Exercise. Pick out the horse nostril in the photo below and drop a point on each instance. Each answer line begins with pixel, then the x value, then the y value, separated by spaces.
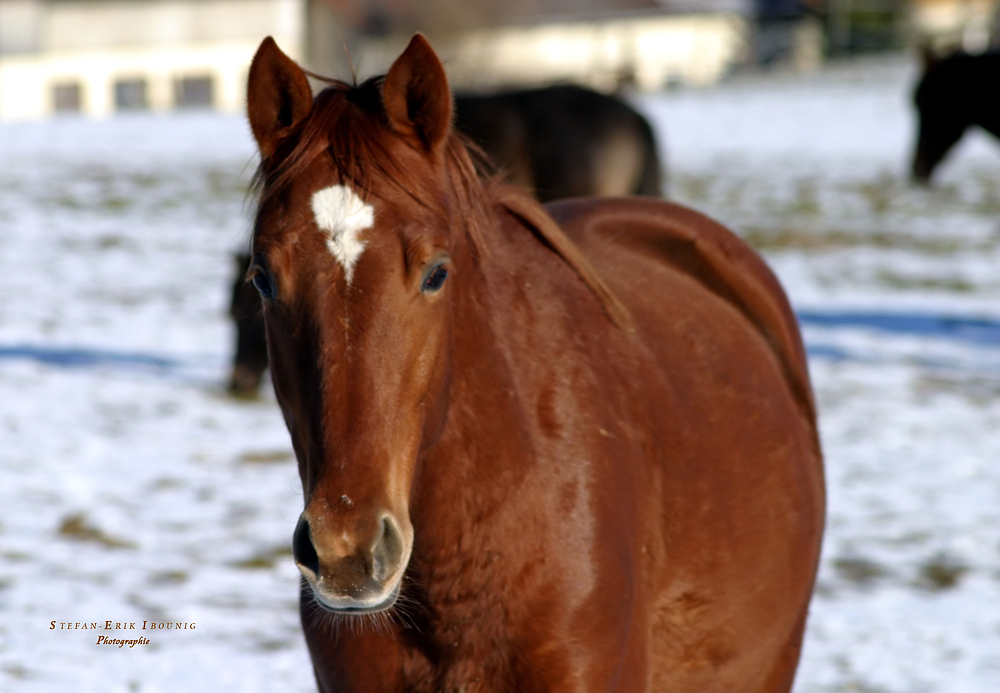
pixel 303 549
pixel 388 551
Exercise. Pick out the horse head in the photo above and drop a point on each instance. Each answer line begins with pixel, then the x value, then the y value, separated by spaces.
pixel 250 360
pixel 353 257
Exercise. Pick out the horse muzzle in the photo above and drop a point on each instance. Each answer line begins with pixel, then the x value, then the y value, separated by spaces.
pixel 349 576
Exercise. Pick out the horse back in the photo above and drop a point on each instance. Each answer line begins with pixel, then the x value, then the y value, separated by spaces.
pixel 701 249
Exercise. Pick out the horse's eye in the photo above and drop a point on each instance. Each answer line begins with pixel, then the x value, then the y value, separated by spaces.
pixel 435 279
pixel 262 282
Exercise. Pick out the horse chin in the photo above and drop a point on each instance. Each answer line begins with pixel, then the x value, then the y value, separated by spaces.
pixel 347 606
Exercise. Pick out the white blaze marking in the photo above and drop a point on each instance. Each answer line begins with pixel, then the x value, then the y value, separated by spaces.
pixel 343 215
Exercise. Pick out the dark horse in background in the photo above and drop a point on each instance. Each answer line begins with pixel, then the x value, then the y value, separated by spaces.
pixel 954 93
pixel 557 142
pixel 564 141
pixel 553 449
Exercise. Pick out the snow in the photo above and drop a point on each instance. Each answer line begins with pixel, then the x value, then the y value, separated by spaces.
pixel 133 489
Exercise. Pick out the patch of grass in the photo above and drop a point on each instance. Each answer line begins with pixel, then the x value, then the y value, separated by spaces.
pixel 146 180
pixel 976 389
pixel 64 201
pixel 76 527
pixel 151 612
pixel 908 539
pixel 694 188
pixel 272 645
pixel 899 281
pixel 166 483
pixel 806 199
pixel 859 686
pixel 264 559
pixel 989 188
pixel 862 572
pixel 16 671
pixel 15 556
pixel 733 197
pixel 116 203
pixel 222 183
pixel 941 572
pixel 169 577
pixel 110 241
pixel 879 193
pixel 786 238
pixel 265 456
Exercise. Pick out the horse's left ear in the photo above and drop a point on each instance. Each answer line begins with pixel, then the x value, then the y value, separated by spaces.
pixel 278 96
pixel 416 95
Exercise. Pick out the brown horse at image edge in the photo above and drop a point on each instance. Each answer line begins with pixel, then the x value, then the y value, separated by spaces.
pixel 569 448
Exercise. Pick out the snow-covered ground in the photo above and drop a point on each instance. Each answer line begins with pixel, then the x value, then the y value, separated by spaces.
pixel 133 489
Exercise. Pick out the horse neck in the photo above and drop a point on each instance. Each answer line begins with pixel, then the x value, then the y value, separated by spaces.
pixel 485 435
pixel 479 480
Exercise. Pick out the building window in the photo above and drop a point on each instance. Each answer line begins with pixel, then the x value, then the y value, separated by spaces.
pixel 193 92
pixel 66 97
pixel 130 94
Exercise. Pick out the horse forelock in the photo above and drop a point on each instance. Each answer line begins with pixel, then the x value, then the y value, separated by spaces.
pixel 348 126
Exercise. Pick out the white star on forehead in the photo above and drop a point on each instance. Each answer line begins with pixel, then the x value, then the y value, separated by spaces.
pixel 343 216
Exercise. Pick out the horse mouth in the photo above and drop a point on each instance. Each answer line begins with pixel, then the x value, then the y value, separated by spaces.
pixel 355 607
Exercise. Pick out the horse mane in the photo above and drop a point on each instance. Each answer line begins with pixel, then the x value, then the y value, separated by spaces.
pixel 348 122
pixel 533 215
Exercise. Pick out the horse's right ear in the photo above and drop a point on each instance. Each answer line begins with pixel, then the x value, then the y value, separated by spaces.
pixel 416 95
pixel 278 96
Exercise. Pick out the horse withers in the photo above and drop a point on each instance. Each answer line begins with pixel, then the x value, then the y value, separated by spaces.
pixel 556 142
pixel 562 449
pixel 954 93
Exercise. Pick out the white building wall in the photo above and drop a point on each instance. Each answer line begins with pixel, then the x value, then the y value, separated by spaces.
pixel 652 51
pixel 94 44
pixel 945 25
pixel 99 24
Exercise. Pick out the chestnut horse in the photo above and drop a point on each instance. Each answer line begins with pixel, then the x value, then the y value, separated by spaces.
pixel 562 449
pixel 557 142
pixel 954 93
